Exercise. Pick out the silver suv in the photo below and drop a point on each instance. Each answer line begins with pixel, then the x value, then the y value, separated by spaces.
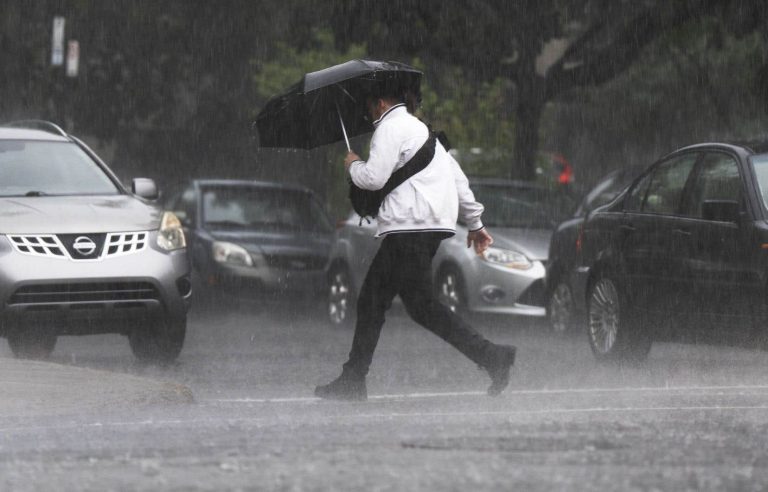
pixel 79 254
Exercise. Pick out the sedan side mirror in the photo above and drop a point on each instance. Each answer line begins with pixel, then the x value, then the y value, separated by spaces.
pixel 145 188
pixel 721 210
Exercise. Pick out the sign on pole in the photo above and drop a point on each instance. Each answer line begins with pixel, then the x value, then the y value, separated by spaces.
pixel 57 45
pixel 73 58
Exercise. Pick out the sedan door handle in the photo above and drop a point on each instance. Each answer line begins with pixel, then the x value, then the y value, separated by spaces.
pixel 627 228
pixel 682 232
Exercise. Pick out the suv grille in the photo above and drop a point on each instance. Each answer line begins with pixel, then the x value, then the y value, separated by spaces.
pixel 43 245
pixel 86 292
pixel 52 246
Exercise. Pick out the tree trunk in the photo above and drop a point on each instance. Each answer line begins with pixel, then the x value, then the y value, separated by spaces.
pixel 529 105
pixel 528 119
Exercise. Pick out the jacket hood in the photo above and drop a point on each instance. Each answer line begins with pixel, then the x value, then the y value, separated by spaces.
pixel 533 243
pixel 77 214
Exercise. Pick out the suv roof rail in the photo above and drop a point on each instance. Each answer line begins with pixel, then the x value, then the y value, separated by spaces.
pixel 43 125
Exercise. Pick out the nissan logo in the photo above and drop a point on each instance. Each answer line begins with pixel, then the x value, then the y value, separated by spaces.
pixel 84 245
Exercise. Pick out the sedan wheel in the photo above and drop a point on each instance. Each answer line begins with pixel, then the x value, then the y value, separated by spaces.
pixel 561 308
pixel 450 290
pixel 340 298
pixel 613 335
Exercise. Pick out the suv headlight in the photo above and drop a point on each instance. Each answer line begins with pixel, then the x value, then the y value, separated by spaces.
pixel 507 258
pixel 231 253
pixel 170 237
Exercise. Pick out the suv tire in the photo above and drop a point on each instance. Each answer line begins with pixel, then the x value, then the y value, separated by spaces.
pixel 31 342
pixel 158 341
pixel 614 335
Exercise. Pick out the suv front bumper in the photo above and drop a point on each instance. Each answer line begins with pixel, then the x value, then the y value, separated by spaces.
pixel 93 296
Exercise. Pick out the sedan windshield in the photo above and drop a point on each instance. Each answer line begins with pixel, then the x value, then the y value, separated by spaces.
pixel 760 163
pixel 37 168
pixel 261 208
pixel 528 208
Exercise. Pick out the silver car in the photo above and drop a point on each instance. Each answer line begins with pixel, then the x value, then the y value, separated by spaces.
pixel 79 254
pixel 507 279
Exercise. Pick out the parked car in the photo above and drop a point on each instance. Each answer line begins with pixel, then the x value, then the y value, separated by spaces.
pixel 565 251
pixel 682 254
pixel 79 254
pixel 507 279
pixel 250 239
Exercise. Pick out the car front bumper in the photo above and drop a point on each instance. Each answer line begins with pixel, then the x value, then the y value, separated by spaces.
pixel 497 289
pixel 93 296
pixel 249 282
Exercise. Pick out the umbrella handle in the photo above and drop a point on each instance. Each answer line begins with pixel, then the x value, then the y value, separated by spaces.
pixel 343 129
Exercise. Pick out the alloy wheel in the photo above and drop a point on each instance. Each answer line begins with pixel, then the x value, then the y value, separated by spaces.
pixel 449 290
pixel 604 312
pixel 561 308
pixel 339 298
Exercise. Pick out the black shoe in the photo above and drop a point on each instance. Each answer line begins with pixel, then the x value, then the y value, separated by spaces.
pixel 345 388
pixel 501 360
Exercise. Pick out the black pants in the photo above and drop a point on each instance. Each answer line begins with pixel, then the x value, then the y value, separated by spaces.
pixel 403 266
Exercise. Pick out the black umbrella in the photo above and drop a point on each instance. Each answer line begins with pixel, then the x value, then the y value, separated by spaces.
pixel 329 105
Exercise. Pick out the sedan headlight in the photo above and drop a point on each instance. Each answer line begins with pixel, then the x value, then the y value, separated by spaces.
pixel 231 253
pixel 170 237
pixel 507 258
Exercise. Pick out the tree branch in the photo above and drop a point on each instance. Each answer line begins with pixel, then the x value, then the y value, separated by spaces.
pixel 603 52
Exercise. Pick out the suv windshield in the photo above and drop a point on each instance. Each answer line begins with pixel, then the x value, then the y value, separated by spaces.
pixel 528 208
pixel 260 208
pixel 38 168
pixel 760 163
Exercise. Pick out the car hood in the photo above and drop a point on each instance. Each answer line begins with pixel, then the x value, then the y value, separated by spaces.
pixel 533 243
pixel 276 243
pixel 76 214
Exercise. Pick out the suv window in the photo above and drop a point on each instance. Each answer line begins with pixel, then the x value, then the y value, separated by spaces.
pixel 717 179
pixel 667 183
pixel 35 168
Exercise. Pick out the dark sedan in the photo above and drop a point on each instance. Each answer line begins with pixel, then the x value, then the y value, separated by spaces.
pixel 250 238
pixel 681 255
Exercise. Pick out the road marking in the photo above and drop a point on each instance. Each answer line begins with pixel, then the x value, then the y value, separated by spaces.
pixel 376 416
pixel 563 391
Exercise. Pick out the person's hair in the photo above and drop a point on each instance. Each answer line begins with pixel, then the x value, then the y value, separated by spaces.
pixel 395 91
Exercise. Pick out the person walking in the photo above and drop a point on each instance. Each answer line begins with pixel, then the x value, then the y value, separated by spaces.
pixel 412 220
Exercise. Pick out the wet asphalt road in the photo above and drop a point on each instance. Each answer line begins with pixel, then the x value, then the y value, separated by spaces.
pixel 691 418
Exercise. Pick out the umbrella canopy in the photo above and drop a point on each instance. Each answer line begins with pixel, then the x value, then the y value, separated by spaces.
pixel 307 115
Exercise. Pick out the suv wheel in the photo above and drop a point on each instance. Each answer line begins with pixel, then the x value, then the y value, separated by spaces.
pixel 158 341
pixel 613 333
pixel 449 288
pixel 341 299
pixel 31 342
pixel 560 308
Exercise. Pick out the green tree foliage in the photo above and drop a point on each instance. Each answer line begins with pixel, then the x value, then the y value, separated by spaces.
pixel 695 83
pixel 543 48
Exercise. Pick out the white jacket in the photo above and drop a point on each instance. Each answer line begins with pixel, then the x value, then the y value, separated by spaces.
pixel 432 199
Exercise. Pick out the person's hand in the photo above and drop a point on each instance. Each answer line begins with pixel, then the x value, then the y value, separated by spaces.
pixel 351 157
pixel 480 239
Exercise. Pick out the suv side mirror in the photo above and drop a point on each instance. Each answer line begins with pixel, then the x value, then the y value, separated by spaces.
pixel 721 210
pixel 145 188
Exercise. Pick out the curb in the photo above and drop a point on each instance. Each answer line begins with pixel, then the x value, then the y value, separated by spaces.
pixel 30 388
